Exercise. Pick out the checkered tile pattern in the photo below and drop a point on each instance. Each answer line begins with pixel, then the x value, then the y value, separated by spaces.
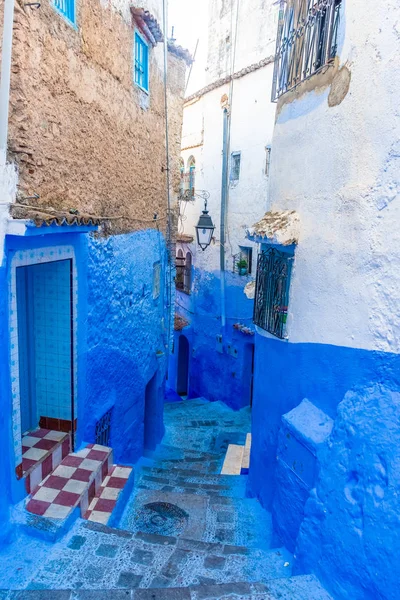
pixel 42 452
pixel 103 503
pixel 74 482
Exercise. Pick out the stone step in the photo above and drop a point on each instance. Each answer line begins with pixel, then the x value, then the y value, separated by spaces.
pixel 165 451
pixel 42 452
pixel 198 465
pixel 188 486
pixel 73 483
pixel 147 560
pixel 301 587
pixel 193 475
pixel 105 500
pixel 233 460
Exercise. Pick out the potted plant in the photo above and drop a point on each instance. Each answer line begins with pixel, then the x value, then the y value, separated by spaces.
pixel 242 266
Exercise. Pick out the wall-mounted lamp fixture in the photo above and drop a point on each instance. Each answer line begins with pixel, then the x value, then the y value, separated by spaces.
pixel 204 229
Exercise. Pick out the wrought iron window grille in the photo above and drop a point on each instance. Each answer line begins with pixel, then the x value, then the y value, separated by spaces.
pixel 103 429
pixel 272 291
pixel 306 41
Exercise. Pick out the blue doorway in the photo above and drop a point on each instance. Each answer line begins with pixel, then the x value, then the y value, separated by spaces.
pixel 45 345
pixel 183 366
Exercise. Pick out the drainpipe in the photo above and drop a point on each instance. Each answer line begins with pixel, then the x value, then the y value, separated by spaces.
pixel 5 77
pixel 224 199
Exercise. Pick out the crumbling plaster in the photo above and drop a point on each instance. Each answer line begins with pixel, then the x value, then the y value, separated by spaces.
pixel 81 133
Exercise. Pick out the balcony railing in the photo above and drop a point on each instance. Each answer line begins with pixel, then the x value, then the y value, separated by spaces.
pixel 306 41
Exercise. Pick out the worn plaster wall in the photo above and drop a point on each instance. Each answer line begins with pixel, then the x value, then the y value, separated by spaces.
pixel 354 510
pixel 255 22
pixel 82 134
pixel 335 161
pixel 127 337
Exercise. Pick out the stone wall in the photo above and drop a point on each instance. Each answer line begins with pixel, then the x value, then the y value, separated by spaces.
pixel 82 134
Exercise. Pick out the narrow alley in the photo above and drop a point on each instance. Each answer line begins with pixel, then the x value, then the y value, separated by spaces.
pixel 199 300
pixel 185 526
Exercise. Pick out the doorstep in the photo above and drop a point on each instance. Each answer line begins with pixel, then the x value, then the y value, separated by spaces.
pixel 42 452
pixel 105 500
pixel 73 483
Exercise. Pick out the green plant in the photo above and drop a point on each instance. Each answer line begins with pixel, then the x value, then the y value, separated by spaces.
pixel 241 264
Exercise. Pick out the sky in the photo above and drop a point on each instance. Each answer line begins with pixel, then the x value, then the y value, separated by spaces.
pixel 189 19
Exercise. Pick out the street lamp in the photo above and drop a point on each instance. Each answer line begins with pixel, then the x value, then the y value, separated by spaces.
pixel 204 228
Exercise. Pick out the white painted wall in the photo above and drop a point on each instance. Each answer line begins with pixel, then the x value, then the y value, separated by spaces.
pixel 251 130
pixel 256 34
pixel 340 169
pixel 252 122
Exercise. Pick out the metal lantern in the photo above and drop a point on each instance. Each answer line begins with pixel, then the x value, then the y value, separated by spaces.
pixel 204 229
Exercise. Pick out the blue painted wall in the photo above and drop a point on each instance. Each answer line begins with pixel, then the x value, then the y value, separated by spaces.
pixel 126 328
pixel 122 333
pixel 216 375
pixel 340 539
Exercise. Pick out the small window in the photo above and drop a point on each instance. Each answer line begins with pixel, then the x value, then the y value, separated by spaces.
pixel 141 62
pixel 183 279
pixel 235 166
pixel 67 9
pixel 192 176
pixel 267 160
pixel 272 291
pixel 242 261
pixel 156 280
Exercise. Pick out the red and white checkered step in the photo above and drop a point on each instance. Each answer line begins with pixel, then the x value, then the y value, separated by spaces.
pixel 102 505
pixel 74 482
pixel 42 452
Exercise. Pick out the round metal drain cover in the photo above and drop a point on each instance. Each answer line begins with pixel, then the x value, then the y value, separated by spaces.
pixel 162 518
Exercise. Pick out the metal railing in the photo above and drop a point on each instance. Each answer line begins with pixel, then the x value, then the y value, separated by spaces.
pixel 306 41
pixel 272 291
pixel 103 429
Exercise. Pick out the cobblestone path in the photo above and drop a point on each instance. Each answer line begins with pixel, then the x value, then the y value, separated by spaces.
pixel 187 532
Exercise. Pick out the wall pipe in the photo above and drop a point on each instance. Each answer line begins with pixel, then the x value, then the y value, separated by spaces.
pixel 5 77
pixel 167 156
pixel 224 198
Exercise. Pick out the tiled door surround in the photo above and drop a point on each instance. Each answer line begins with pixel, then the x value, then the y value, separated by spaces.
pixel 23 258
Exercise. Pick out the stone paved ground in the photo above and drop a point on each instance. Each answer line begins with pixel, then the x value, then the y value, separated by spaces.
pixel 186 532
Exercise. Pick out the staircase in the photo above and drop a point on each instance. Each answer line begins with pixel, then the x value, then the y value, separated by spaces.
pixel 187 531
pixel 87 480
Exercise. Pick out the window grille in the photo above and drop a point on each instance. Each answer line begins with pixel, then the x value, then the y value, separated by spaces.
pixel 66 8
pixel 103 429
pixel 306 41
pixel 141 62
pixel 183 279
pixel 235 166
pixel 272 291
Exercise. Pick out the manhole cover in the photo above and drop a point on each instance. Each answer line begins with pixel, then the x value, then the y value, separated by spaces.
pixel 162 518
